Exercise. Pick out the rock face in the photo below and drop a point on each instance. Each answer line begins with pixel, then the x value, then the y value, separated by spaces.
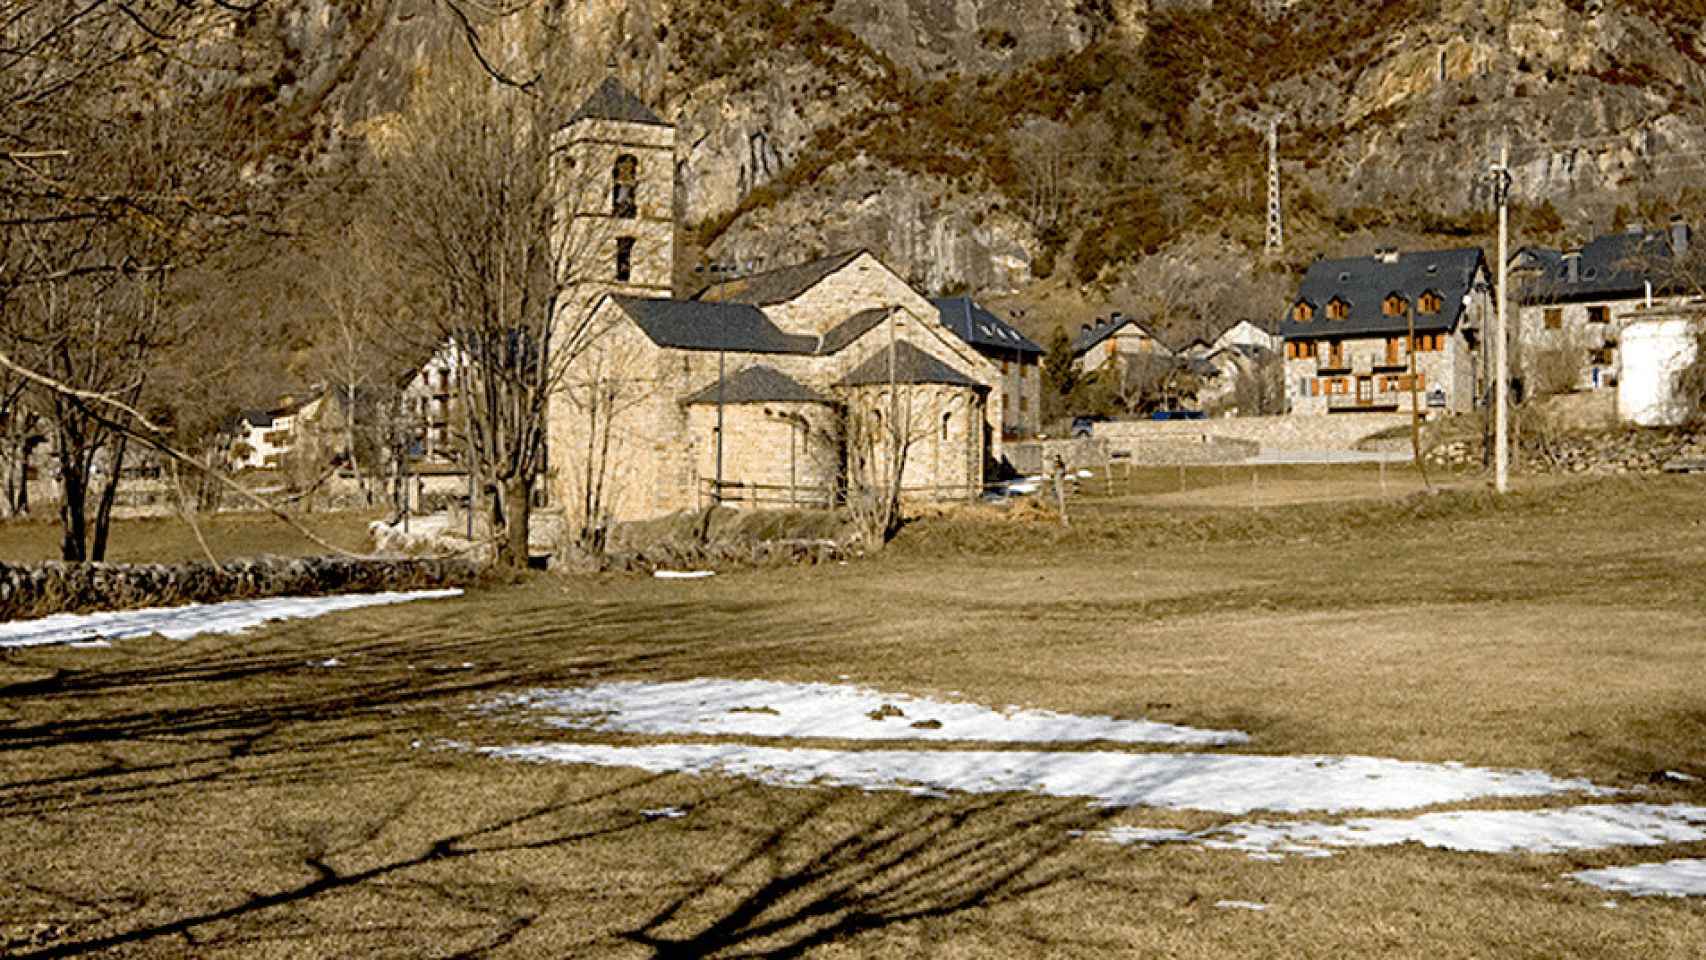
pixel 811 125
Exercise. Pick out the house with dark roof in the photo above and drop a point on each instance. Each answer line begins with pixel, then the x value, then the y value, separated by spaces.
pixel 1115 336
pixel 1571 305
pixel 1369 334
pixel 262 439
pixel 1019 358
pixel 752 391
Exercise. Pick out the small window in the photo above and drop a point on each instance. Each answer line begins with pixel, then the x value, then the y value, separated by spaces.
pixel 1599 314
pixel 1554 318
pixel 625 182
pixel 1024 403
pixel 947 421
pixel 1430 303
pixel 1338 309
pixel 1006 368
pixel 1395 306
pixel 1302 312
pixel 624 259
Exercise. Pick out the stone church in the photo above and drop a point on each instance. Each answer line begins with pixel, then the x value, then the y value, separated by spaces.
pixel 770 390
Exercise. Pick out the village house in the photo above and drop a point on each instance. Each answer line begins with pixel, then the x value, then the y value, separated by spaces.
pixel 1019 358
pixel 1116 336
pixel 1573 304
pixel 263 439
pixel 1347 334
pixel 1247 333
pixel 774 389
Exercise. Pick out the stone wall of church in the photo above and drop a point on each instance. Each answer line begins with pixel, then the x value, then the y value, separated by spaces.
pixel 863 284
pixel 774 456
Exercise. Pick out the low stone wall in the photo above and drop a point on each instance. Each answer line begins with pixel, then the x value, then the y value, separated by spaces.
pixel 37 590
pixel 1032 457
pixel 1322 432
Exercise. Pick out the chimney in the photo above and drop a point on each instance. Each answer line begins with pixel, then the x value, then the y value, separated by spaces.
pixel 1084 328
pixel 1678 236
pixel 1573 266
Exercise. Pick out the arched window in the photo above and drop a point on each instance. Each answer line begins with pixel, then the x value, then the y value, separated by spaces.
pixel 624 184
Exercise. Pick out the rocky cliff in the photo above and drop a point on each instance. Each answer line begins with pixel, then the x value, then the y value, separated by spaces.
pixel 988 144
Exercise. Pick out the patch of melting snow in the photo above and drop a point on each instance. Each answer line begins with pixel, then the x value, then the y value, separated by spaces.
pixel 1223 784
pixel 182 623
pixel 1585 827
pixel 683 574
pixel 664 813
pixel 763 708
pixel 1674 878
pixel 1239 905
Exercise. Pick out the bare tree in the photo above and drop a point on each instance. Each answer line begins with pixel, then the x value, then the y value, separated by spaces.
pixel 466 207
pixel 1259 389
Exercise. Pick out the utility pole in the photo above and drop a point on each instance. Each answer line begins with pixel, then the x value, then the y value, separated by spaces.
pixel 717 491
pixel 1276 226
pixel 1501 378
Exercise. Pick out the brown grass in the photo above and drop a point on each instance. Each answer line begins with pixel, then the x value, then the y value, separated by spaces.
pixel 169 540
pixel 221 797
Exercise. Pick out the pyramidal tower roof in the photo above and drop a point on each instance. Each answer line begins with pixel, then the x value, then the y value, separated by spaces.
pixel 613 101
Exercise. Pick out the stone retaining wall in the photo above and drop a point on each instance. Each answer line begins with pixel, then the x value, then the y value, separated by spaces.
pixel 37 590
pixel 1316 433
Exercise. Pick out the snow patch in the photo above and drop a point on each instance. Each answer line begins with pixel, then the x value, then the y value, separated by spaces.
pixel 683 574
pixel 1675 878
pixel 190 620
pixel 763 708
pixel 1239 905
pixel 1223 784
pixel 1586 827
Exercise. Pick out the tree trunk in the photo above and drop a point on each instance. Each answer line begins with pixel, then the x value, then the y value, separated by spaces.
pixel 109 493
pixel 512 511
pixel 72 542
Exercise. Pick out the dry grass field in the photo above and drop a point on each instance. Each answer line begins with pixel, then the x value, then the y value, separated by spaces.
pixel 228 796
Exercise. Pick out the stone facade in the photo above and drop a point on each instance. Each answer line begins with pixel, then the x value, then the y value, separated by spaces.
pixel 1020 391
pixel 1587 332
pixel 1371 374
pixel 1130 339
pixel 774 455
pixel 617 183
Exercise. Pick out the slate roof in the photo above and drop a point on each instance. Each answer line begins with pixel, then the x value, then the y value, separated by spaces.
pixel 758 384
pixel 1612 267
pixel 1103 329
pixel 692 325
pixel 613 101
pixel 980 328
pixel 852 328
pixel 911 365
pixel 1364 282
pixel 779 285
